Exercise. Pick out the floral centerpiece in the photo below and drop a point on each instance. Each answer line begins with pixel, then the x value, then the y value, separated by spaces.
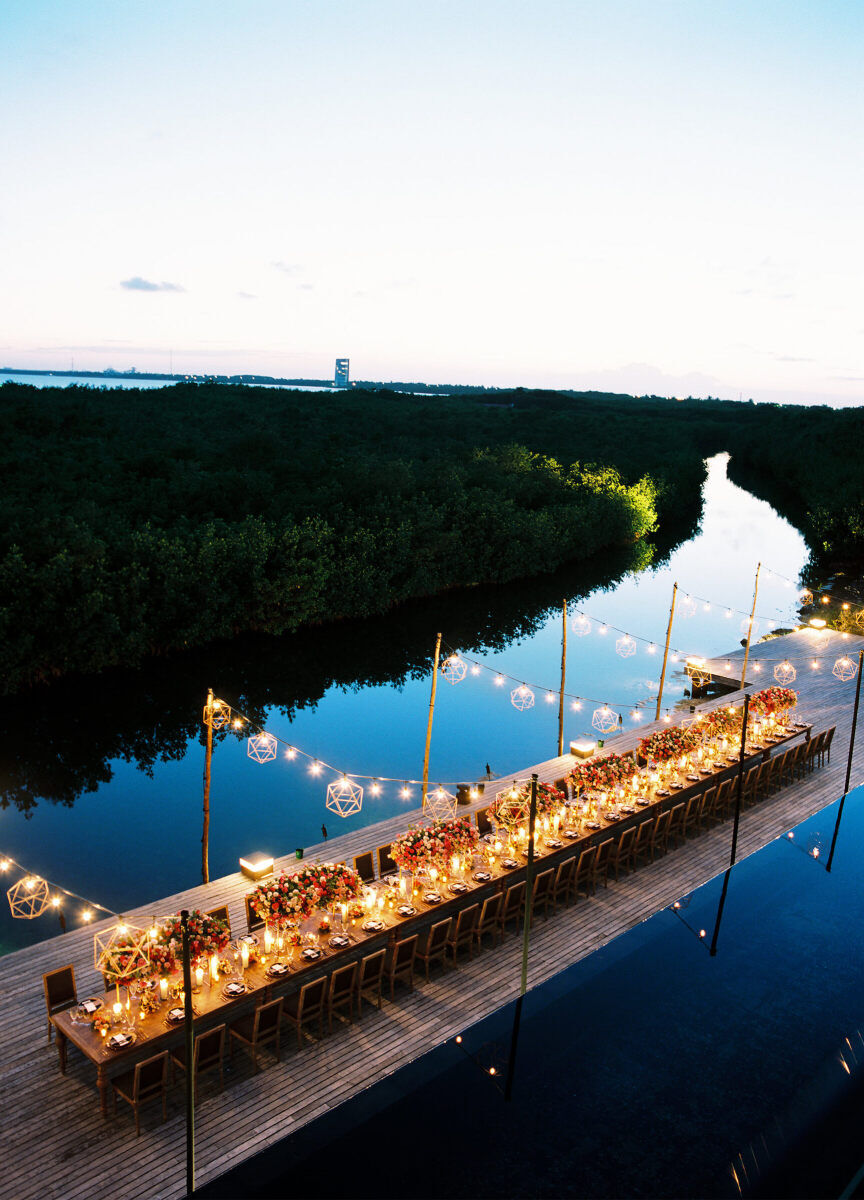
pixel 207 935
pixel 664 744
pixel 773 699
pixel 603 774
pixel 163 957
pixel 329 884
pixel 548 799
pixel 127 962
pixel 427 846
pixel 288 898
pixel 722 722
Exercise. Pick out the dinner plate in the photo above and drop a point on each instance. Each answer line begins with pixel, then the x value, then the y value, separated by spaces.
pixel 663 791
pixel 676 785
pixel 643 801
pixel 432 898
pixel 90 1005
pixel 406 910
pixel 120 1041
pixel 251 939
pixel 482 876
pixel 175 1016
pixel 373 926
pixel 627 808
pixel 509 863
pixel 310 954
pixel 554 843
pixel 706 770
pixel 693 778
pixel 458 888
pixel 277 969
pixel 571 833
pixel 592 824
pixel 339 941
pixel 233 989
pixel 612 816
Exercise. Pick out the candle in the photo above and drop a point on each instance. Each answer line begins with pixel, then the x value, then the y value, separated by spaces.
pixel 401 886
pixel 163 988
pixel 498 847
pixel 244 955
pixel 214 967
pixel 280 940
pixel 433 874
pixel 199 977
pixel 454 863
pixel 268 941
pixel 380 904
pixel 118 1008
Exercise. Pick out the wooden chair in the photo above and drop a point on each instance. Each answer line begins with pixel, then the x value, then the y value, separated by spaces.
pixel 258 1029
pixel 401 964
pixel 675 832
pixel 776 772
pixel 621 854
pixel 386 865
pixel 541 893
pixel 370 978
pixel 253 921
pixel 208 1051
pixel 306 1006
pixel 435 947
pixel 513 907
pixel 690 824
pixel 749 793
pixel 600 865
pixel 825 750
pixel 490 919
pixel 464 931
pixel 364 865
pixel 484 825
pixel 707 814
pixel 791 761
pixel 221 914
pixel 656 844
pixel 146 1080
pixel 814 749
pixel 343 985
pixel 60 993
pixel 583 873
pixel 562 888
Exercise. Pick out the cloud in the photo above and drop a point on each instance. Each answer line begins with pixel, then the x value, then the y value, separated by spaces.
pixel 790 358
pixel 287 268
pixel 137 284
pixel 307 287
pixel 246 296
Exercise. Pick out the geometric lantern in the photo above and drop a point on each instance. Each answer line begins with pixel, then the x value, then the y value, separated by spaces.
pixel 625 646
pixel 581 625
pixel 746 624
pixel 604 719
pixel 122 952
pixel 522 697
pixel 261 747
pixel 512 807
pixel 344 797
pixel 805 598
pixel 220 714
pixel 29 898
pixel 845 669
pixel 785 673
pixel 441 805
pixel 688 607
pixel 859 616
pixel 454 669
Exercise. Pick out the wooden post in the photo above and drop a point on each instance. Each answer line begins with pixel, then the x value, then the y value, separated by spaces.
pixel 188 1031
pixel 740 787
pixel 523 986
pixel 713 949
pixel 208 758
pixel 666 651
pixel 750 626
pixel 848 761
pixel 563 682
pixel 431 715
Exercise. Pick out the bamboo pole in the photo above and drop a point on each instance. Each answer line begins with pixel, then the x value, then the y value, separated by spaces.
pixel 208 758
pixel 740 788
pixel 750 626
pixel 563 683
pixel 666 650
pixel 523 985
pixel 431 715
pixel 188 1031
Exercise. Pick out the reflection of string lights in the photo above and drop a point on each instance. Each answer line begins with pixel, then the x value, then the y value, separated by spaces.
pixel 50 895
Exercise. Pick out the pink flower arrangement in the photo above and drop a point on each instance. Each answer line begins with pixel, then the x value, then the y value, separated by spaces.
pixel 329 883
pixel 603 774
pixel 288 898
pixel 773 699
pixel 127 963
pixel 548 799
pixel 664 744
pixel 207 935
pixel 427 846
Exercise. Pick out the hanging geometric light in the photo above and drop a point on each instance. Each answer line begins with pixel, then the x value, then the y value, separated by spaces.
pixel 687 607
pixel 580 625
pixel 221 714
pixel 122 949
pixel 695 668
pixel 344 797
pixel 845 669
pixel 512 807
pixel 604 719
pixel 454 669
pixel 261 747
pixel 625 646
pixel 785 673
pixel 805 598
pixel 522 697
pixel 746 624
pixel 29 897
pixel 859 617
pixel 441 805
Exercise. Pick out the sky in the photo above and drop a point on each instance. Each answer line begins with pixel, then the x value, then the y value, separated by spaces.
pixel 656 196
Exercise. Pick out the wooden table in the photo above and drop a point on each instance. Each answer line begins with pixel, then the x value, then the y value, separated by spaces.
pixel 212 1007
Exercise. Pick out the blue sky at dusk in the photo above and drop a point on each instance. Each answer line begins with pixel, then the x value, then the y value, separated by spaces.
pixel 636 196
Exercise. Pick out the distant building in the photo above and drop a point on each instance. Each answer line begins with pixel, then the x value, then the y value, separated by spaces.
pixel 341 378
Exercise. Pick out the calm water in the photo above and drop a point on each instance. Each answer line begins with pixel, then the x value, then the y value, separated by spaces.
pixel 94 768
pixel 98 381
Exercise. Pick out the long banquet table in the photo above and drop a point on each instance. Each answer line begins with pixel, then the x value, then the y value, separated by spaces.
pixel 211 1006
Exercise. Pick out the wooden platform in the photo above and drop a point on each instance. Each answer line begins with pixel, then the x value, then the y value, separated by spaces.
pixel 57 1145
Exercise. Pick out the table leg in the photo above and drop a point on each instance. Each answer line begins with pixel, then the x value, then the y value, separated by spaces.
pixel 60 1038
pixel 102 1082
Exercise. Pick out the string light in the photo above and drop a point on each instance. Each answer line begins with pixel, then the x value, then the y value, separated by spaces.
pixel 845 669
pixel 522 698
pixel 785 673
pixel 454 669
pixel 33 895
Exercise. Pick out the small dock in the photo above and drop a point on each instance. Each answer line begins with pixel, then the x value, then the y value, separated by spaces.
pixel 56 1144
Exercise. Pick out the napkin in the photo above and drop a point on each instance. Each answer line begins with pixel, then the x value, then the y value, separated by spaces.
pixel 482 876
pixel 118 1040
pixel 235 989
pixel 405 910
pixel 90 1006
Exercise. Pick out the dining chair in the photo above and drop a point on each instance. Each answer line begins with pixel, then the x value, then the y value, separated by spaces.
pixel 484 825
pixel 434 949
pixel 562 888
pixel 60 993
pixel 513 907
pixel 386 864
pixel 253 921
pixel 340 994
pixel 489 919
pixel 145 1081
pixel 307 1006
pixel 582 874
pixel 675 833
pixel 724 799
pixel 541 893
pixel 659 834
pixel 825 751
pixel 401 964
pixel 622 853
pixel 642 842
pixel 364 865
pixel 690 823
pixel 221 914
pixel 814 749
pixel 258 1029
pixel 370 979
pixel 208 1052
pixel 600 864
pixel 464 931
pixel 563 785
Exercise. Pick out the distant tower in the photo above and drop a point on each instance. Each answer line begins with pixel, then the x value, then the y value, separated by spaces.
pixel 341 378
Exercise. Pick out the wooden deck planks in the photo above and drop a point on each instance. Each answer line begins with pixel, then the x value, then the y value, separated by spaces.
pixel 79 1154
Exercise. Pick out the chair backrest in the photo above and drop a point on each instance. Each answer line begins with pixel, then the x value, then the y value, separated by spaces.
pixel 564 874
pixel 59 987
pixel 484 825
pixel 252 920
pixel 372 968
pixel 829 737
pixel 386 865
pixel 661 825
pixel 563 786
pixel 364 865
pixel 209 1048
pixel 268 1018
pixel 151 1075
pixel 438 935
pixel 467 920
pixel 343 980
pixel 404 952
pixel 515 899
pixel 624 842
pixel 604 850
pixel 312 997
pixel 542 883
pixel 586 858
pixel 676 815
pixel 491 910
pixel 221 914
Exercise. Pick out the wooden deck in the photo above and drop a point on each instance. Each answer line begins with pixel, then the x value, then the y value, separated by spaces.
pixel 57 1145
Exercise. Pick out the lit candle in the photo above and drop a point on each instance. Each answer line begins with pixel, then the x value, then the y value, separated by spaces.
pixel 343 908
pixel 163 988
pixel 268 940
pixel 244 955
pixel 380 904
pixel 199 977
pixel 498 847
pixel 118 1009
pixel 214 967
pixel 454 863
pixel 401 887
pixel 433 874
